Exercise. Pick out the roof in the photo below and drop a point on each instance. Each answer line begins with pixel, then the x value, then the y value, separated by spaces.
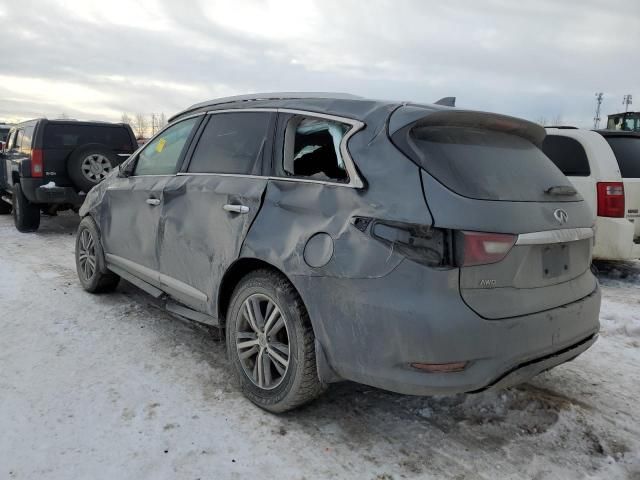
pixel 339 104
pixel 69 121
pixel 617 133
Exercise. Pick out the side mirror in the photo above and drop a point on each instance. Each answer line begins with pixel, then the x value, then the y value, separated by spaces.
pixel 127 168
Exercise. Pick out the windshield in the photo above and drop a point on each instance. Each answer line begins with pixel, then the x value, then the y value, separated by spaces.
pixel 627 122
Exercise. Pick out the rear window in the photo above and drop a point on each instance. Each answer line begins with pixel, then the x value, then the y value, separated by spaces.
pixel 65 136
pixel 487 164
pixel 627 151
pixel 4 134
pixel 567 154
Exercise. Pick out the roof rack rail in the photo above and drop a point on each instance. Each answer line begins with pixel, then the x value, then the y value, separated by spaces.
pixel 252 97
pixel 561 127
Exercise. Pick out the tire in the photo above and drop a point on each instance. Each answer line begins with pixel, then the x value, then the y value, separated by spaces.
pixel 279 390
pixel 26 215
pixel 5 208
pixel 89 165
pixel 90 265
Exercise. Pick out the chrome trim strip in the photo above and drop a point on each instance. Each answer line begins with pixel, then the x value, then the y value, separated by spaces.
pixel 555 236
pixel 144 273
pixel 354 179
pixel 156 278
pixel 264 177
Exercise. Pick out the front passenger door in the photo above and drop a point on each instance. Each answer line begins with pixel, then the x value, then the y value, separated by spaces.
pixel 131 219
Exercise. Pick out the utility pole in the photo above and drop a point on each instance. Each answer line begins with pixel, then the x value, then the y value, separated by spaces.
pixel 626 101
pixel 596 119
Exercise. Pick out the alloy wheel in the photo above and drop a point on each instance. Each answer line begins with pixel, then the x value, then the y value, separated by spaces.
pixel 96 167
pixel 87 255
pixel 262 341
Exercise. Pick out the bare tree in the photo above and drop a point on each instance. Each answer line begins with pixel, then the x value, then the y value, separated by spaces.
pixel 125 118
pixel 542 120
pixel 162 120
pixel 557 120
pixel 63 116
pixel 140 125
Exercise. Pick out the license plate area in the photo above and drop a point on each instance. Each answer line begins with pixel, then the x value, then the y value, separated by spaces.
pixel 555 260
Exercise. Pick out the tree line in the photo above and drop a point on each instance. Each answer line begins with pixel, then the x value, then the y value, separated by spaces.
pixel 145 125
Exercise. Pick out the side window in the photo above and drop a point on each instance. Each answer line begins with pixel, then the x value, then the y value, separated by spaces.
pixel 17 143
pixel 312 149
pixel 27 138
pixel 11 140
pixel 161 156
pixel 232 143
pixel 567 154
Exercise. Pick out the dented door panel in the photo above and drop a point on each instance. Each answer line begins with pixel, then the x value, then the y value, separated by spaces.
pixel 199 238
pixel 128 224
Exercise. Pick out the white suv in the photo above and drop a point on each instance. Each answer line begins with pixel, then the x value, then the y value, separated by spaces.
pixel 604 166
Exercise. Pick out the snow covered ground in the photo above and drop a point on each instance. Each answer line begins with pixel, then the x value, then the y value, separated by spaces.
pixel 110 387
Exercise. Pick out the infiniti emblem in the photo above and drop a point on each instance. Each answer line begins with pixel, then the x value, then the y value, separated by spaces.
pixel 561 215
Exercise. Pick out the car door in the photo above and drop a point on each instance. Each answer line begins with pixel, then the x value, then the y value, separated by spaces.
pixel 133 202
pixel 14 154
pixel 209 207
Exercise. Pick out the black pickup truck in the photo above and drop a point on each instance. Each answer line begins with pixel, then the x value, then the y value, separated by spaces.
pixel 49 165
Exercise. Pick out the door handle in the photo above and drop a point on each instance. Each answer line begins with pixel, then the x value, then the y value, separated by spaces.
pixel 153 201
pixel 236 208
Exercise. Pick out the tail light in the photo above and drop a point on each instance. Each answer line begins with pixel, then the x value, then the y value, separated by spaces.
pixel 610 199
pixel 37 163
pixel 480 248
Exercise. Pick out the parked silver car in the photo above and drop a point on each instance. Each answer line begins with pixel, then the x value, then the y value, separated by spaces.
pixel 416 248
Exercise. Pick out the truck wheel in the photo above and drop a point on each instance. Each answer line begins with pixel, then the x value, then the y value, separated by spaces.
pixel 90 264
pixel 5 208
pixel 89 165
pixel 271 344
pixel 26 215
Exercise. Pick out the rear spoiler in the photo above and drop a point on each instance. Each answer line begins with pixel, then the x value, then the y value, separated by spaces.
pixel 410 116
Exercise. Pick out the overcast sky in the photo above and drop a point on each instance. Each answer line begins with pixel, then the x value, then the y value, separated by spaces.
pixel 97 59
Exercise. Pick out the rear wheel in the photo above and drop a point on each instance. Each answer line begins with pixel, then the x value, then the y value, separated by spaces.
pixel 90 264
pixel 271 344
pixel 26 215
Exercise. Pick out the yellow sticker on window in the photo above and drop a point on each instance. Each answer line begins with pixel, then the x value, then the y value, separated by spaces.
pixel 161 143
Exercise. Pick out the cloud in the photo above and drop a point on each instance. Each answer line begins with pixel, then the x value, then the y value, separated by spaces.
pixel 93 59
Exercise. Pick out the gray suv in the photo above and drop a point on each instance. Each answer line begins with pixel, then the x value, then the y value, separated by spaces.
pixel 417 248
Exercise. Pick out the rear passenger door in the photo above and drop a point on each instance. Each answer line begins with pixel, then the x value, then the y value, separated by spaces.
pixel 209 207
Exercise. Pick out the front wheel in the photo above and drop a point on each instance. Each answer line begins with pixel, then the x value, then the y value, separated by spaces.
pixel 271 344
pixel 92 273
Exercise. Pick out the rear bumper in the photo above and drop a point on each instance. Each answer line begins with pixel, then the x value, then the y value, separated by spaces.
pixel 373 329
pixel 36 192
pixel 614 240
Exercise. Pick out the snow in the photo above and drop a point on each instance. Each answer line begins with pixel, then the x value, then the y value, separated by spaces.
pixel 49 185
pixel 109 386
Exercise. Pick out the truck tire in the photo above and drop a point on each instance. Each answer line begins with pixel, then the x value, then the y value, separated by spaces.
pixel 271 344
pixel 5 208
pixel 90 265
pixel 89 164
pixel 26 215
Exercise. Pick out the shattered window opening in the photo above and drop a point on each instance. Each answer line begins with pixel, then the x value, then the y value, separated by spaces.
pixel 312 149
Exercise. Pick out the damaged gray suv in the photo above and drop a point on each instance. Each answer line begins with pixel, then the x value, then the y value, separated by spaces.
pixel 421 249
